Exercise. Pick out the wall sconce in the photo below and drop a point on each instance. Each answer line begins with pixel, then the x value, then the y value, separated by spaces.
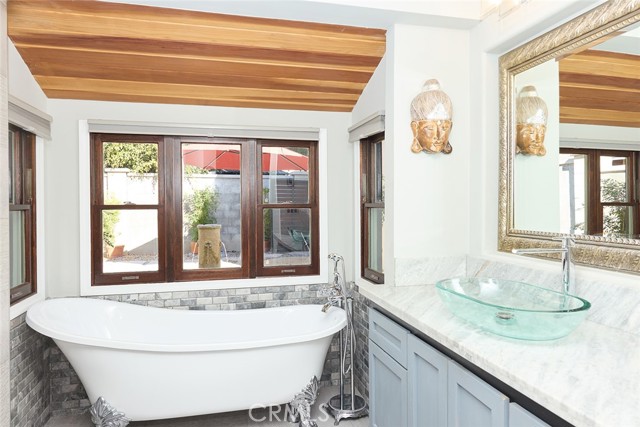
pixel 531 122
pixel 431 123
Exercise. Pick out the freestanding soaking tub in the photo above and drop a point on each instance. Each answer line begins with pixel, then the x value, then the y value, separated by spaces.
pixel 155 363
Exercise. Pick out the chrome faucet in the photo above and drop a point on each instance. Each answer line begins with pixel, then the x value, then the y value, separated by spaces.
pixel 568 266
pixel 337 292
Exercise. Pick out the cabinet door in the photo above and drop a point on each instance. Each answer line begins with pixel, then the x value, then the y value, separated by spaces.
pixel 387 389
pixel 427 385
pixel 519 417
pixel 472 402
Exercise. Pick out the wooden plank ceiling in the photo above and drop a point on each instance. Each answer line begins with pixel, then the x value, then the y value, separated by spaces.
pixel 120 52
pixel 601 88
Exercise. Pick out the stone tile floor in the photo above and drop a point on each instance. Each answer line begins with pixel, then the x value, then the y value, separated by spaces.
pixel 229 419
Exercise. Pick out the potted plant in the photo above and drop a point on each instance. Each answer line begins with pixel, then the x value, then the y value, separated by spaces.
pixel 109 221
pixel 199 208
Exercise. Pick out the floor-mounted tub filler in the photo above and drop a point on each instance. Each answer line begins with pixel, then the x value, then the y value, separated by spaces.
pixel 150 363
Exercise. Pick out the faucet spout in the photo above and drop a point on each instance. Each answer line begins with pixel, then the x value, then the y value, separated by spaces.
pixel 568 266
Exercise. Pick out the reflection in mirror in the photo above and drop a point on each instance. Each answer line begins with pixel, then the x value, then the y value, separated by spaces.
pixel 585 184
pixel 587 71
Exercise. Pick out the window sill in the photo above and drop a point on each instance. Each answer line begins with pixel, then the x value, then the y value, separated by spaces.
pixel 21 307
pixel 87 290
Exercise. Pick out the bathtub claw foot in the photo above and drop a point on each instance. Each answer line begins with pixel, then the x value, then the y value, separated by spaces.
pixel 301 404
pixel 104 415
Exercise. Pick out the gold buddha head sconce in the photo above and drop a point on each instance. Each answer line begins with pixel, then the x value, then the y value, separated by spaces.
pixel 431 123
pixel 531 122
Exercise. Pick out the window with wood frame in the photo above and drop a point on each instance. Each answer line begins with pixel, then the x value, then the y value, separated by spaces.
pixel 22 214
pixel 371 208
pixel 601 188
pixel 171 208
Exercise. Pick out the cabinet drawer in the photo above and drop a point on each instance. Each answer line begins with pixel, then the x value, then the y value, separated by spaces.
pixel 389 336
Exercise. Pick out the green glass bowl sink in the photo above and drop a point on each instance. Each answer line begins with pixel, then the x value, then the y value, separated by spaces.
pixel 513 309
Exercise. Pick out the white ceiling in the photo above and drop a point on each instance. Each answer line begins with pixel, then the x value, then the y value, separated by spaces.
pixel 461 14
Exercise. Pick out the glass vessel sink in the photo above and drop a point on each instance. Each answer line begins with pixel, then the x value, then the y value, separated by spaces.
pixel 513 309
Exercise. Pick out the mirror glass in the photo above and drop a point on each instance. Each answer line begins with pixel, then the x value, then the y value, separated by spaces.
pixel 570 139
pixel 585 181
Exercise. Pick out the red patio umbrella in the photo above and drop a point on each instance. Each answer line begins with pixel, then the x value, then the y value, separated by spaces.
pixel 227 157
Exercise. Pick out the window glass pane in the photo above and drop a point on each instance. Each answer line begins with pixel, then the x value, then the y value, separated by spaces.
pixel 12 136
pixel 613 179
pixel 211 190
pixel 287 237
pixel 17 239
pixel 376 172
pixel 573 187
pixel 129 240
pixel 285 174
pixel 616 220
pixel 376 216
pixel 130 173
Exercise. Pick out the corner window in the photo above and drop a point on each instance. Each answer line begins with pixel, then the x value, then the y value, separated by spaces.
pixel 601 185
pixel 167 209
pixel 22 214
pixel 371 208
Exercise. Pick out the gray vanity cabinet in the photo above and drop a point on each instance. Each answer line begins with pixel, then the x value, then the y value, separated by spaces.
pixel 519 417
pixel 473 402
pixel 427 385
pixel 413 384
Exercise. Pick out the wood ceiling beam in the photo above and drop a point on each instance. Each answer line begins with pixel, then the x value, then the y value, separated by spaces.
pixel 610 82
pixel 128 61
pixel 599 99
pixel 602 64
pixel 157 99
pixel 99 20
pixel 82 71
pixel 186 90
pixel 209 50
pixel 599 117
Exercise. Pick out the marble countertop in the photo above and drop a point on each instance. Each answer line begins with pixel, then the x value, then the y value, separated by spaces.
pixel 590 377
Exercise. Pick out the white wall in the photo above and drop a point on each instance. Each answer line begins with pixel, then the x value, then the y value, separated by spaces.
pixel 373 97
pixel 22 85
pixel 426 195
pixel 61 161
pixel 536 178
pixel 430 209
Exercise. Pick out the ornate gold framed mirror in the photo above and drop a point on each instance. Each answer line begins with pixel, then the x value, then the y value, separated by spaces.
pixel 588 182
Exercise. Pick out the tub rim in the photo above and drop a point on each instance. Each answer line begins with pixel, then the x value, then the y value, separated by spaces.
pixel 37 325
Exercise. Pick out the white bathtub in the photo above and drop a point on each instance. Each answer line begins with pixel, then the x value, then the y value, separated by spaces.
pixel 154 363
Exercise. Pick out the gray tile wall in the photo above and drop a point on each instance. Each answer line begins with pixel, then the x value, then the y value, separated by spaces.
pixel 30 377
pixel 361 359
pixel 67 394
